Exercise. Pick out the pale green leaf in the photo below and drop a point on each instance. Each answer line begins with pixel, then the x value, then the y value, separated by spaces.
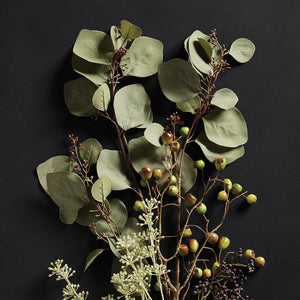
pixel 94 46
pixel 116 38
pixel 242 50
pixel 178 80
pixel 101 97
pixel 112 164
pixel 190 106
pixel 68 216
pixel 91 257
pixel 143 57
pixel 226 128
pixel 153 134
pixel 132 107
pixel 130 31
pixel 78 97
pixel 212 151
pixel 225 98
pixel 101 188
pixel 90 150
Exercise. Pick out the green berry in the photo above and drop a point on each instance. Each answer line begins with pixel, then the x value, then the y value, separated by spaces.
pixel 227 184
pixel 184 131
pixel 220 163
pixel 236 188
pixel 175 146
pixel 222 196
pixel 201 209
pixel 251 199
pixel 224 242
pixel 212 238
pixel 215 267
pixel 249 254
pixel 183 250
pixel 146 173
pixel 172 190
pixel 193 245
pixel 172 180
pixel 259 262
pixel 143 183
pixel 157 173
pixel 167 138
pixel 206 273
pixel 157 286
pixel 200 164
pixel 187 232
pixel 138 206
pixel 197 273
pixel 189 199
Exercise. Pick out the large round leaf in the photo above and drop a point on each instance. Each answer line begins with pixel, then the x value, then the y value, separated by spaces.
pixel 212 151
pixel 78 97
pixel 101 188
pixel 143 57
pixel 190 106
pixel 132 107
pixel 242 50
pixel 101 98
pixel 225 98
pixel 118 213
pixel 90 150
pixel 94 72
pixel 130 31
pixel 178 80
pixel 226 127
pixel 54 164
pixel 153 133
pixel 112 164
pixel 94 46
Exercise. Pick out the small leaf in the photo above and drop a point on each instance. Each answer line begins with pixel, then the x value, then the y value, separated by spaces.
pixel 88 215
pixel 226 128
pixel 101 188
pixel 130 31
pixel 94 46
pixel 212 151
pixel 116 38
pixel 112 164
pixel 96 73
pixel 205 50
pixel 178 80
pixel 153 133
pixel 90 150
pixel 225 98
pixel 91 257
pixel 68 216
pixel 112 245
pixel 143 57
pixel 189 173
pixel 54 164
pixel 242 50
pixel 101 97
pixel 78 97
pixel 132 107
pixel 190 106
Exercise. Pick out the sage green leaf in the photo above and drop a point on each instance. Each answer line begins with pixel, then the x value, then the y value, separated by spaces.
pixel 119 215
pixel 153 133
pixel 130 31
pixel 54 164
pixel 190 106
pixel 91 257
pixel 116 38
pixel 88 215
pixel 94 46
pixel 142 153
pixel 101 97
pixel 178 80
pixel 90 150
pixel 143 57
pixel 225 98
pixel 78 97
pixel 242 50
pixel 132 107
pixel 112 245
pixel 68 216
pixel 112 164
pixel 226 128
pixel 189 173
pixel 101 188
pixel 94 72
pixel 204 50
pixel 67 190
pixel 212 151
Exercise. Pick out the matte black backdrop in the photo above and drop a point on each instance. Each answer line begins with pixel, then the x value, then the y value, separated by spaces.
pixel 36 41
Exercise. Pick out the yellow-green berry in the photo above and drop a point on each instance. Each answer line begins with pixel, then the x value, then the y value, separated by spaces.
pixel 206 273
pixel 189 199
pixel 251 199
pixel 249 254
pixel 224 242
pixel 222 196
pixel 184 131
pixel 193 245
pixel 172 190
pixel 236 188
pixel 220 163
pixel 201 209
pixel 200 164
pixel 227 184
pixel 259 262
pixel 197 273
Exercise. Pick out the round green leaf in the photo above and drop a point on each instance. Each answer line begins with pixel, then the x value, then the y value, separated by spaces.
pixel 226 128
pixel 212 151
pixel 118 213
pixel 94 46
pixel 88 215
pixel 130 31
pixel 190 106
pixel 67 190
pixel 242 50
pixel 78 97
pixel 90 150
pixel 94 72
pixel 101 97
pixel 143 57
pixel 153 133
pixel 91 257
pixel 178 80
pixel 54 164
pixel 112 164
pixel 68 216
pixel 225 98
pixel 132 107
pixel 116 38
pixel 101 188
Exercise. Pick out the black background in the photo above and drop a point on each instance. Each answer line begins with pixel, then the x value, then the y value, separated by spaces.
pixel 36 42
